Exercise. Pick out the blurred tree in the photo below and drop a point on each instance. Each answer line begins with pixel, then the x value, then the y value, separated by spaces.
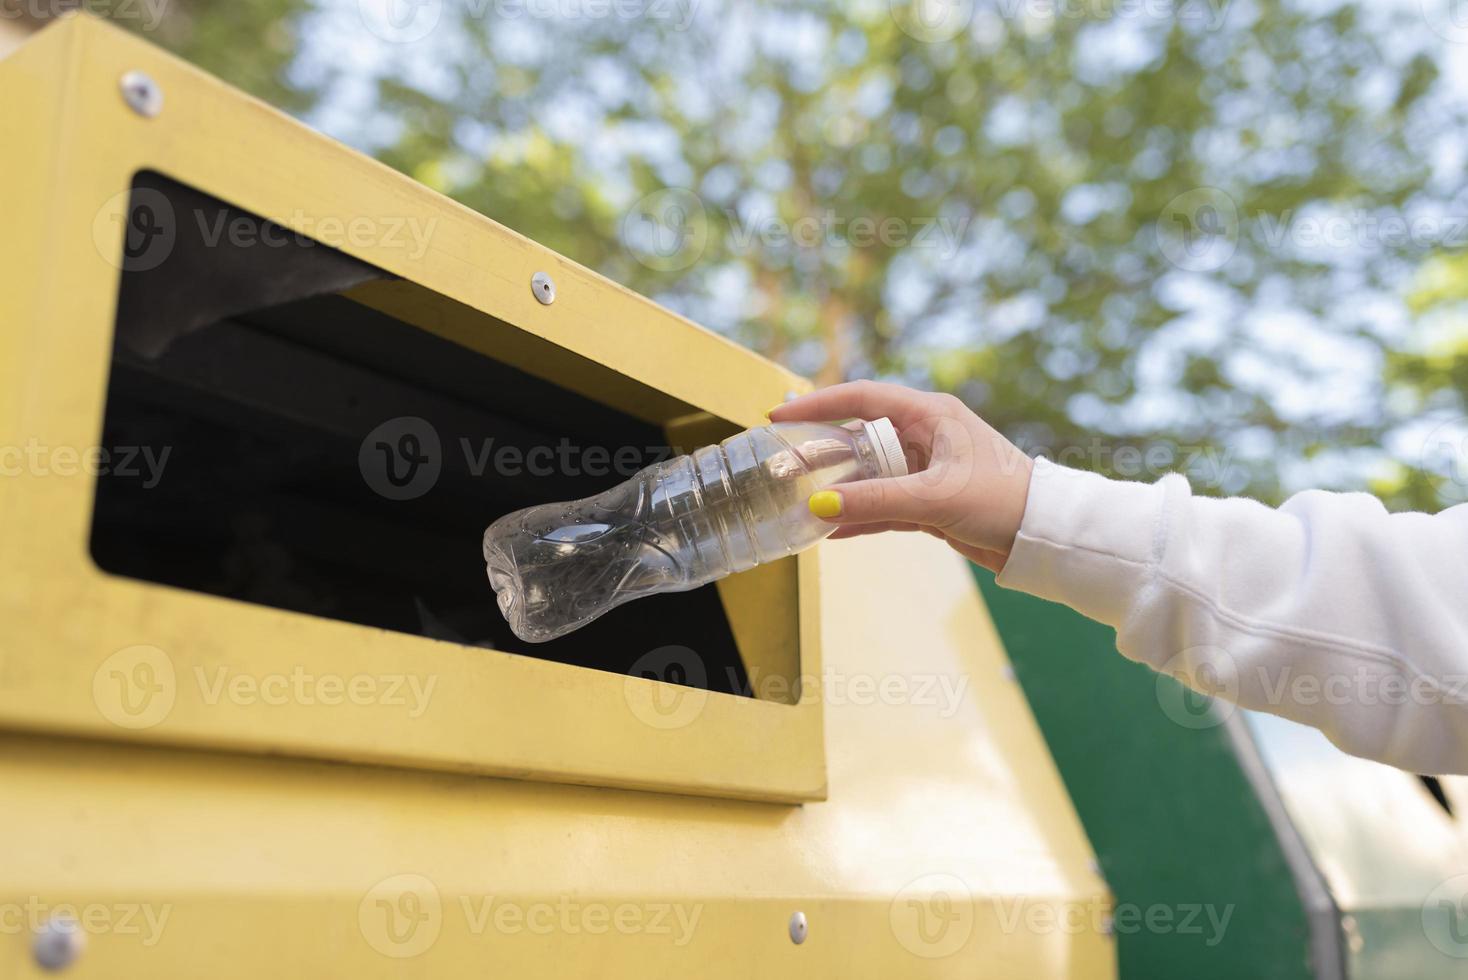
pixel 251 45
pixel 1144 236
pixel 1429 377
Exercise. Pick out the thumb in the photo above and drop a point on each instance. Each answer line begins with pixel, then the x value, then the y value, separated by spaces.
pixel 902 498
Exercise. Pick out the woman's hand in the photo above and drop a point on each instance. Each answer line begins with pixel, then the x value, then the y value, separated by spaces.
pixel 966 483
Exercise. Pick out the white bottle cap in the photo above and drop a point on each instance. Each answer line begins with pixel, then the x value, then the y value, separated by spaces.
pixel 890 456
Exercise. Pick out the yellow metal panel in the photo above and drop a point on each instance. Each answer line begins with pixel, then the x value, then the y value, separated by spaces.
pixel 31 140
pixel 532 353
pixel 762 606
pixel 946 849
pixel 93 654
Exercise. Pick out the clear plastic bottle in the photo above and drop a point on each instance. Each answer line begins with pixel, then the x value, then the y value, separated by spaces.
pixel 678 524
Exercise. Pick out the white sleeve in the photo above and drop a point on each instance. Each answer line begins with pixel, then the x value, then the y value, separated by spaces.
pixel 1329 610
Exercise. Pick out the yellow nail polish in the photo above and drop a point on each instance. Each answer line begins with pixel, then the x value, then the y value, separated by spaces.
pixel 825 503
pixel 771 409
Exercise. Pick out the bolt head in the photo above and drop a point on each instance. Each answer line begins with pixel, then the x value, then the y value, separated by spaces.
pixel 798 928
pixel 141 93
pixel 544 288
pixel 58 943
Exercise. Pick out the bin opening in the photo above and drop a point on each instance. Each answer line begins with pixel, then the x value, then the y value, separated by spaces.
pixel 299 450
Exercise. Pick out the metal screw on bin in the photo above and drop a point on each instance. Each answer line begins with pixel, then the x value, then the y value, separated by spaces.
pixel 142 94
pixel 798 928
pixel 58 943
pixel 543 287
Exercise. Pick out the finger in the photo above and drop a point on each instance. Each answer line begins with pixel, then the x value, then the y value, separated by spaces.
pixel 992 560
pixel 861 400
pixel 906 499
pixel 857 530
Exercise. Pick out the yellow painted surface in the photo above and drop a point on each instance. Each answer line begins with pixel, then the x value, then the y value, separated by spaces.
pixel 196 836
pixel 946 847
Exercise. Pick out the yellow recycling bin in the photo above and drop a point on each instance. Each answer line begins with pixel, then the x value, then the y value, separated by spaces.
pixel 258 396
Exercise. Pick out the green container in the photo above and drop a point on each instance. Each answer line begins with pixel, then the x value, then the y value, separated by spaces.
pixel 1204 887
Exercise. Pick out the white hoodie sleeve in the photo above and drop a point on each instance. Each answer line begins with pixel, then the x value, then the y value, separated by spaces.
pixel 1329 610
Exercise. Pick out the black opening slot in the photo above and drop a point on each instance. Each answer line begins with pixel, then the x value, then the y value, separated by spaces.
pixel 295 449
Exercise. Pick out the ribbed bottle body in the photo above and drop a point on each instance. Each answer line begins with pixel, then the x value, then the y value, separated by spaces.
pixel 673 526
